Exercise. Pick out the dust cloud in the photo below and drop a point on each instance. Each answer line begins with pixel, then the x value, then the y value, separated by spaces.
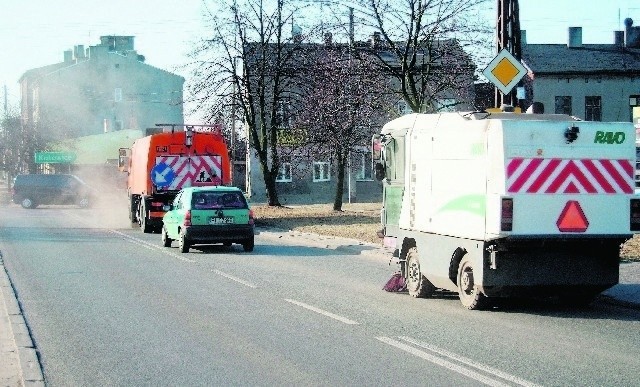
pixel 111 204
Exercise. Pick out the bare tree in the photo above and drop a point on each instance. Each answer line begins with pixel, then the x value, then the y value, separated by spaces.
pixel 250 63
pixel 18 144
pixel 345 100
pixel 425 45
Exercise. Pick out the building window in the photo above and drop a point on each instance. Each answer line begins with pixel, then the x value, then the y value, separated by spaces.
pixel 362 165
pixel 117 125
pixel 284 113
pixel 593 108
pixel 284 173
pixel 117 95
pixel 563 104
pixel 321 171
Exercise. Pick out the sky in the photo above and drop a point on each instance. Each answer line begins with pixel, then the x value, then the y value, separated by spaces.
pixel 35 33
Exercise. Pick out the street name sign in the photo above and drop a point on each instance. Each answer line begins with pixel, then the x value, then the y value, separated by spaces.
pixel 54 157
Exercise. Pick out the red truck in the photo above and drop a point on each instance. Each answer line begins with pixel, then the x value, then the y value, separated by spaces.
pixel 162 163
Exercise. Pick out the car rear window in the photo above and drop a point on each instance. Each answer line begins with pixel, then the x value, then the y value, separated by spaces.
pixel 217 200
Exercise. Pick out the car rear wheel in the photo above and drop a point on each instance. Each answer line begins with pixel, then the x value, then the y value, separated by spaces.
pixel 166 241
pixel 27 203
pixel 183 243
pixel 248 245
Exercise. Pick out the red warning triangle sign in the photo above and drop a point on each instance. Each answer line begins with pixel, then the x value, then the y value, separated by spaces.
pixel 572 218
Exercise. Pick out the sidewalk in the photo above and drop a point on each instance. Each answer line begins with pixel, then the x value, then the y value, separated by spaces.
pixel 19 365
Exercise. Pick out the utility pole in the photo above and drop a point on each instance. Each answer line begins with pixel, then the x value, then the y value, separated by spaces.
pixel 508 37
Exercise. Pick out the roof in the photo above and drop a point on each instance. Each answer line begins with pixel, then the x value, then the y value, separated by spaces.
pixel 50 69
pixel 442 51
pixel 44 70
pixel 587 59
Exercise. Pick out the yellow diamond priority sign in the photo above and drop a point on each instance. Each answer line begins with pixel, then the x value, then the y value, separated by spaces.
pixel 504 71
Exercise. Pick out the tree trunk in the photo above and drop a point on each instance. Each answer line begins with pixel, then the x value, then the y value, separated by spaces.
pixel 270 185
pixel 342 161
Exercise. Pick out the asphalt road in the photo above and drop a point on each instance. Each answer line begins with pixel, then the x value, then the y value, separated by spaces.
pixel 106 304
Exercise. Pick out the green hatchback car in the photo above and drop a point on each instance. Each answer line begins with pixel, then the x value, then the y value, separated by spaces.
pixel 206 215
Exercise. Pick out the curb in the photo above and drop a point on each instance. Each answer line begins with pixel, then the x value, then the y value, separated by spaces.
pixel 30 369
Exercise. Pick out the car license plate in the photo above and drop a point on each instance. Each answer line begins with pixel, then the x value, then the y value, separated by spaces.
pixel 224 220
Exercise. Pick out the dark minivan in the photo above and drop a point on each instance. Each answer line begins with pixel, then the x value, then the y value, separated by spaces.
pixel 35 189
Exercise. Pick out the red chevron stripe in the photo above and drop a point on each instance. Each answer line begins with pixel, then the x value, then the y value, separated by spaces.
pixel 568 170
pixel 620 180
pixel 524 175
pixel 544 175
pixel 513 165
pixel 572 189
pixel 600 178
pixel 612 180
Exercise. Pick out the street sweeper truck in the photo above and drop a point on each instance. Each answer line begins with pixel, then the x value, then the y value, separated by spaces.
pixel 505 204
pixel 171 157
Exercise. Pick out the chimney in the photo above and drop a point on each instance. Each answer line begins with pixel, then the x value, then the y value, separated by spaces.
pixel 376 42
pixel 523 37
pixel 79 51
pixel 296 33
pixel 618 38
pixel 631 34
pixel 68 56
pixel 328 38
pixel 575 37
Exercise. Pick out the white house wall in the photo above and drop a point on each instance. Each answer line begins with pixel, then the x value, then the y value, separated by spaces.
pixel 614 90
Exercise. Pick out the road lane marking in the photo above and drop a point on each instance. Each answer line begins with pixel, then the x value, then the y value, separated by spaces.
pixel 443 363
pixel 322 312
pixel 469 362
pixel 438 357
pixel 152 246
pixel 162 249
pixel 236 279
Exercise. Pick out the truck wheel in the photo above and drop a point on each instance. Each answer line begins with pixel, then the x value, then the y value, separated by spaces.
pixel 27 203
pixel 183 243
pixel 132 210
pixel 470 296
pixel 417 284
pixel 142 218
pixel 166 241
